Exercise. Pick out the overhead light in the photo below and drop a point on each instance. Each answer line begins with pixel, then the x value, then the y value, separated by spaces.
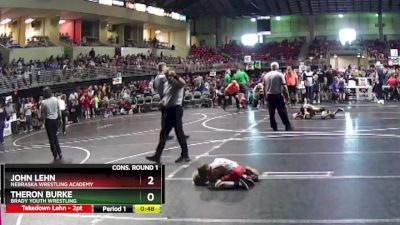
pixel 347 35
pixel 340 15
pixel 363 57
pixel 358 56
pixel 140 7
pixel 249 39
pixel 278 18
pixel 155 11
pixel 61 22
pixel 335 56
pixel 158 31
pixel 253 19
pixel 263 17
pixel 376 14
pixel 29 20
pixel 5 21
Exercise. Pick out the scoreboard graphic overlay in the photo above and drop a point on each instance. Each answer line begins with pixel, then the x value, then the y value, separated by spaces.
pixel 89 188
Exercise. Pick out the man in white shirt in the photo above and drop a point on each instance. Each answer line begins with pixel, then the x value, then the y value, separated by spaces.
pixel 51 114
pixel 309 83
pixel 62 104
pixel 275 90
pixel 28 114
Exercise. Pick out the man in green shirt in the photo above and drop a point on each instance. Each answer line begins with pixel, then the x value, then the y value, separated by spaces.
pixel 243 79
pixel 96 104
pixel 227 78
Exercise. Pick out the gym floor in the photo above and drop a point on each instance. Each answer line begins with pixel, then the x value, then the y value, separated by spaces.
pixel 340 171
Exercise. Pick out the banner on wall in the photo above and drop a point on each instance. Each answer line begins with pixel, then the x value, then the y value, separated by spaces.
pixel 363 81
pixel 7 128
pixel 247 59
pixel 364 93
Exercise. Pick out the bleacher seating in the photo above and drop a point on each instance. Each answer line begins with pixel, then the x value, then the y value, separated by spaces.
pixel 38 41
pixel 284 50
pixel 376 50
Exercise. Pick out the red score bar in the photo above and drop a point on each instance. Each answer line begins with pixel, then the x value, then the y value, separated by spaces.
pixel 16 208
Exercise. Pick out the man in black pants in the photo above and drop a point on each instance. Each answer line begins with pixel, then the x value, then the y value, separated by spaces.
pixel 51 114
pixel 172 113
pixel 274 89
pixel 380 79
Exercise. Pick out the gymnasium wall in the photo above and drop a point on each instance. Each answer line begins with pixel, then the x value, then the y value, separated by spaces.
pixel 35 53
pixel 205 28
pixel 80 6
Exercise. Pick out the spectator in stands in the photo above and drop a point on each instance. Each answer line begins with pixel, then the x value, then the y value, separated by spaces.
pixel 92 53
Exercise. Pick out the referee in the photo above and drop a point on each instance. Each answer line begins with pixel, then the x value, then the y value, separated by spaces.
pixel 172 112
pixel 51 115
pixel 274 89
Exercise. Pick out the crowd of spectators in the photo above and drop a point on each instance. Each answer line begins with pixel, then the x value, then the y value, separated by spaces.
pixel 375 50
pixel 133 97
pixel 38 42
pixel 7 40
pixel 273 51
pixel 395 44
pixel 107 100
pixel 20 72
pixel 319 48
pixel 67 39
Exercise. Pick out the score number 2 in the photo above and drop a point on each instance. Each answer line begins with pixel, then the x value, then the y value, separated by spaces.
pixel 150 196
pixel 151 180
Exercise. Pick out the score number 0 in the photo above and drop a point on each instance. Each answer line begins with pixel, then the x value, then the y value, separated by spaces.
pixel 150 196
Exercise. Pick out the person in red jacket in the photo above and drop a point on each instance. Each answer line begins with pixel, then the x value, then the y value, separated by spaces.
pixel 232 90
pixel 393 84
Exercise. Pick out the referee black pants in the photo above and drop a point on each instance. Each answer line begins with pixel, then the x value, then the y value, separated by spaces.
pixel 51 129
pixel 276 102
pixel 172 118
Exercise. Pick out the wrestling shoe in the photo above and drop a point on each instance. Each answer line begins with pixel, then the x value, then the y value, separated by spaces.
pixel 289 128
pixel 340 110
pixel 243 184
pixel 248 180
pixel 255 178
